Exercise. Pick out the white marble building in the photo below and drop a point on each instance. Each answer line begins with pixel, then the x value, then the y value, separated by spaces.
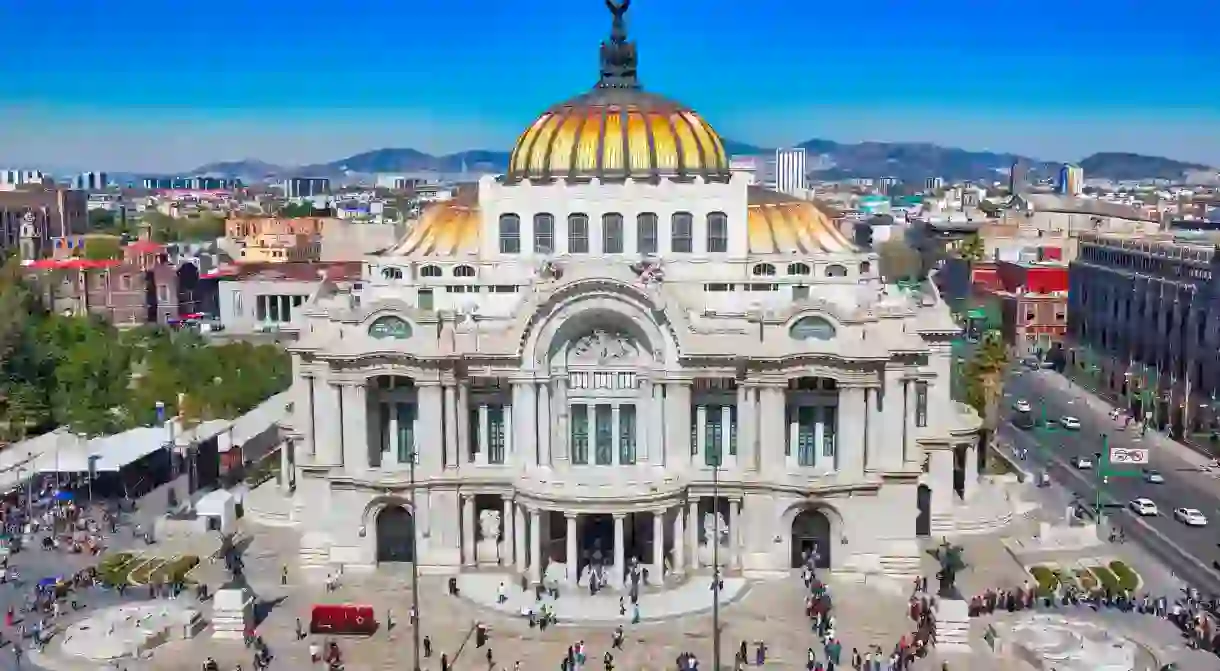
pixel 543 372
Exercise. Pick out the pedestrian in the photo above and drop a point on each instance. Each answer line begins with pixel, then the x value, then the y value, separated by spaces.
pixel 427 646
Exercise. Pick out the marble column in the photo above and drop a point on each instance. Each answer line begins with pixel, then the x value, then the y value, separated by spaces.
pixel 462 421
pixel 305 418
pixel 679 535
pixel 330 425
pixel 525 415
pixel 677 424
pixel 643 421
pixel 747 433
pixel 940 479
pixel 452 450
pixel 544 424
pixel 726 437
pixel 355 428
pixel 853 407
pixel 875 429
pixel 519 539
pixel 735 533
pixel 560 416
pixel 620 549
pixel 970 483
pixel 909 448
pixel 891 450
pixel 792 414
pixel 389 456
pixel 468 540
pixel 429 439
pixel 654 416
pixel 285 464
pixel 692 533
pixel 509 534
pixel 658 546
pixel 572 560
pixel 772 430
pixel 535 546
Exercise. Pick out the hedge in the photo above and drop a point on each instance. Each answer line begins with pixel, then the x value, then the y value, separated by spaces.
pixel 1088 581
pixel 1106 577
pixel 174 570
pixel 1047 580
pixel 1128 579
pixel 113 569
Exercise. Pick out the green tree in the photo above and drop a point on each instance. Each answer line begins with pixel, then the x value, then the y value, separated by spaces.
pixel 303 209
pixel 101 220
pixel 972 249
pixel 984 379
pixel 899 261
pixel 103 248
pixel 204 228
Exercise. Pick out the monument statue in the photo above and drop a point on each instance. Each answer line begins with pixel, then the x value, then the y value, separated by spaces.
pixel 618 27
pixel 715 530
pixel 603 347
pixel 951 563
pixel 489 537
pixel 618 60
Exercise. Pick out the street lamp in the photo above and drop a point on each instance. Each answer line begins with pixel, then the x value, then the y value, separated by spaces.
pixel 414 553
pixel 716 558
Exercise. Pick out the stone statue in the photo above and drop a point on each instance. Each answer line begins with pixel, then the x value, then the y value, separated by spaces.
pixel 649 271
pixel 715 530
pixel 618 27
pixel 549 271
pixel 951 563
pixel 488 548
pixel 603 347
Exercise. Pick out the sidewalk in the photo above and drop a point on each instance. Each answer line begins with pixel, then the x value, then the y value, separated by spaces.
pixel 1192 455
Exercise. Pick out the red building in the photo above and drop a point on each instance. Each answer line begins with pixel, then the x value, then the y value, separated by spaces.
pixel 1033 303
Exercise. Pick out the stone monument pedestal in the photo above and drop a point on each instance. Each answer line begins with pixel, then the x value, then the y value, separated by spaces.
pixel 952 626
pixel 232 613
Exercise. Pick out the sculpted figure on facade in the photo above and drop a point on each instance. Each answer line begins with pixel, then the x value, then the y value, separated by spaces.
pixel 715 530
pixel 649 270
pixel 604 347
pixel 489 534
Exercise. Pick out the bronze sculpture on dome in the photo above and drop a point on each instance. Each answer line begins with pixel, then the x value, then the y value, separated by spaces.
pixel 618 61
pixel 618 28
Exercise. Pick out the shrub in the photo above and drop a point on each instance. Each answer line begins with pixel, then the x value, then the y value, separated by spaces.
pixel 1128 579
pixel 1106 577
pixel 1088 582
pixel 113 569
pixel 1047 580
pixel 141 573
pixel 174 570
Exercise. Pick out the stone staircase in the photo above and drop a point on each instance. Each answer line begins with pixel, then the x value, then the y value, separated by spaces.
pixel 952 626
pixel 900 566
pixel 268 506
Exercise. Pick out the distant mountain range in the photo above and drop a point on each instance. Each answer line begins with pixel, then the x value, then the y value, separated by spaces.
pixel 910 162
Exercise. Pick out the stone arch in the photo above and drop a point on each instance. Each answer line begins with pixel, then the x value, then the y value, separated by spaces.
pixel 809 525
pixel 393 528
pixel 587 304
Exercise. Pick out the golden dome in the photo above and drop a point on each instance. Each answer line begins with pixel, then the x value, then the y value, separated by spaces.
pixel 614 133
pixel 447 228
pixel 779 224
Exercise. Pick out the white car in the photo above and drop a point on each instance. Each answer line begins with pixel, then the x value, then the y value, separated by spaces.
pixel 1070 423
pixel 1154 478
pixel 1191 517
pixel 1144 507
pixel 1022 405
pixel 1082 463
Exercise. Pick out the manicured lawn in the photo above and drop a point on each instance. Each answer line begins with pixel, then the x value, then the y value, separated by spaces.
pixel 1128 579
pixel 1106 577
pixel 1047 580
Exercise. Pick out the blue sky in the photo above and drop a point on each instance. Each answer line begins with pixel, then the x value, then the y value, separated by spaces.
pixel 158 85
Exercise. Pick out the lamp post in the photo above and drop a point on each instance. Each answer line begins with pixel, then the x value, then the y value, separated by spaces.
pixel 715 558
pixel 414 554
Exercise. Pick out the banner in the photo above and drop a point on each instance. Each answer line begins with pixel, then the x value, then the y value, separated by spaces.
pixel 1122 455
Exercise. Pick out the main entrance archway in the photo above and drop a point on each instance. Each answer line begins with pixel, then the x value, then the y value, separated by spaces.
pixel 395 535
pixel 811 537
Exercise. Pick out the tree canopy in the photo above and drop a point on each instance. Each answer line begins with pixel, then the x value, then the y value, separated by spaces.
pixel 83 373
pixel 899 261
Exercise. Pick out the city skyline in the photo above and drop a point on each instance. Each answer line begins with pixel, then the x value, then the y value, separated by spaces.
pixel 190 93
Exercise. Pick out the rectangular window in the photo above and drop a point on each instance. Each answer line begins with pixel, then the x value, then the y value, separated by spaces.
pixel 473 431
pixel 646 233
pixel 921 404
pixel 510 234
pixel 694 432
pixel 604 435
pixel 806 435
pixel 680 234
pixel 260 308
pixel 544 234
pixel 733 430
pixel 626 438
pixel 423 299
pixel 712 433
pixel 612 233
pixel 273 303
pixel 578 234
pixel 829 424
pixel 236 303
pixel 580 434
pixel 717 232
pixel 495 434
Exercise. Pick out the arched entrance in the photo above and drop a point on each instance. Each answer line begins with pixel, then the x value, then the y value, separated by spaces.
pixel 395 535
pixel 811 536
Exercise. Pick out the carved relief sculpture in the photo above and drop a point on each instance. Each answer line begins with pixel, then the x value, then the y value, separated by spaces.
pixel 604 347
pixel 489 537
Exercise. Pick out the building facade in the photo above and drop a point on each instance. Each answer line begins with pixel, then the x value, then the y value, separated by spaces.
pixel 1144 325
pixel 619 352
pixel 306 187
pixel 790 170
pixel 31 219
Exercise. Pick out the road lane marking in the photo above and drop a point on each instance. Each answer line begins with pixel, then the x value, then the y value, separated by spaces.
pixel 1091 487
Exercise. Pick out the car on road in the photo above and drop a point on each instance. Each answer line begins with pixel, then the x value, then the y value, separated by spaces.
pixel 1082 463
pixel 1070 423
pixel 1191 517
pixel 1144 507
pixel 1154 477
pixel 1022 405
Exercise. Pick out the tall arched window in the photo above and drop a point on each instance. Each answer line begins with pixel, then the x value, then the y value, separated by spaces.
pixel 510 234
pixel 463 271
pixel 764 270
pixel 717 232
pixel 646 233
pixel 799 269
pixel 544 233
pixel 430 271
pixel 836 270
pixel 578 233
pixel 612 233
pixel 680 234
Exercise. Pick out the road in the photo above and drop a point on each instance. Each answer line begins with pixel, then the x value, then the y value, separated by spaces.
pixel 1188 551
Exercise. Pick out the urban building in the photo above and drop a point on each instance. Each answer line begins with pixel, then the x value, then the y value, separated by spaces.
pixel 1070 180
pixel 1032 299
pixel 306 187
pixel 31 219
pixel 1143 326
pixel 259 298
pixel 90 181
pixel 196 183
pixel 934 184
pixel 620 351
pixel 275 239
pixel 10 178
pixel 1018 178
pixel 790 171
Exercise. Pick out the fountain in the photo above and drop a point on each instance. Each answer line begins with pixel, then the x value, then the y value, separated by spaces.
pixel 1053 642
pixel 130 631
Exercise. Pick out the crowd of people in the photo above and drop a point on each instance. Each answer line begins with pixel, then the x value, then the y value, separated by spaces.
pixel 1191 613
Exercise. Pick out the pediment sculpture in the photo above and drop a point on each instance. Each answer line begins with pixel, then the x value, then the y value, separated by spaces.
pixel 549 271
pixel 603 347
pixel 649 271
